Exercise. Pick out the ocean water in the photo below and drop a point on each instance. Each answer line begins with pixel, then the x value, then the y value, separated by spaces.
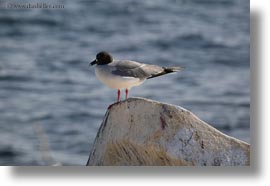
pixel 51 104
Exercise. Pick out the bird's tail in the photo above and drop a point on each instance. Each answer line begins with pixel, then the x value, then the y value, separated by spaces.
pixel 166 70
pixel 172 69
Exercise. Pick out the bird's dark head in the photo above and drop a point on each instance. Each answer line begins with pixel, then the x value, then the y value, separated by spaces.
pixel 102 58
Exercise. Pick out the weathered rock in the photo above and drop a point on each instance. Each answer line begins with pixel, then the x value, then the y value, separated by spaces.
pixel 144 132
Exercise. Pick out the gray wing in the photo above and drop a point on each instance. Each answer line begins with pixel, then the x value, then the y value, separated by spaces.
pixel 137 70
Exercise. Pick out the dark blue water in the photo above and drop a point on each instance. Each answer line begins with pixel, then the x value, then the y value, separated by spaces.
pixel 51 101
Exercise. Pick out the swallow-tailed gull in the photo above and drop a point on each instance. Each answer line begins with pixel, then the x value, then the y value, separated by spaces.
pixel 124 74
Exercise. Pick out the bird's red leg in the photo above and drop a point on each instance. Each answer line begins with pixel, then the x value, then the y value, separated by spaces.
pixel 118 95
pixel 118 99
pixel 126 93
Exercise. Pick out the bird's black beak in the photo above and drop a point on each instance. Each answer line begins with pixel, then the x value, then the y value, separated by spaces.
pixel 93 62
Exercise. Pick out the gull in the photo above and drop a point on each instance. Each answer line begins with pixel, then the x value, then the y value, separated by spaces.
pixel 125 74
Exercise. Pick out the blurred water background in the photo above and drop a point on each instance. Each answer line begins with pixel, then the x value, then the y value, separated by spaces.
pixel 45 81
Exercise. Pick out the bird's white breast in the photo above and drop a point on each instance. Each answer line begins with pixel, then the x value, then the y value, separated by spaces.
pixel 105 75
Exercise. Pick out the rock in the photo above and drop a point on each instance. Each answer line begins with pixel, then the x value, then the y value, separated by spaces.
pixel 144 132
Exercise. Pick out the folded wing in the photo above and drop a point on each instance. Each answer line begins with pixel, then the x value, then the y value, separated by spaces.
pixel 136 70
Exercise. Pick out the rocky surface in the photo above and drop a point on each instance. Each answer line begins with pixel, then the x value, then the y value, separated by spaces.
pixel 149 133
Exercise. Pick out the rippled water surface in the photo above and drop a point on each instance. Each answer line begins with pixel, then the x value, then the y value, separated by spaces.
pixel 50 98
